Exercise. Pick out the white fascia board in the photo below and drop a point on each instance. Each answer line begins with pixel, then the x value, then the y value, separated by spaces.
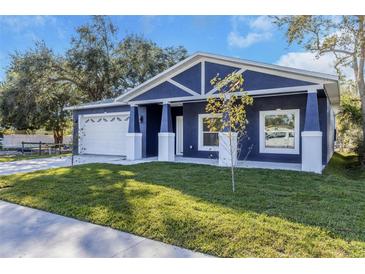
pixel 287 90
pixel 105 114
pixel 271 66
pixel 155 81
pixel 332 91
pixel 196 58
pixel 166 72
pixel 96 106
pixel 287 72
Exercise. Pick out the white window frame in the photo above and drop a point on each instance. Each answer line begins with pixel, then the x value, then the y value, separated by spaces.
pixel 294 150
pixel 201 147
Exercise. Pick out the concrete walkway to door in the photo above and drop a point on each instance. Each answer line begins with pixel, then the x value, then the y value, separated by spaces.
pixel 27 232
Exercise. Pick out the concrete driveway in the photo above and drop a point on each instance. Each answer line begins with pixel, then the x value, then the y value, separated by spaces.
pixel 27 232
pixel 22 166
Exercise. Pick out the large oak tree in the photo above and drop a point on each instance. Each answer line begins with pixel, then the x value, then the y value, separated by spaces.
pixel 39 84
pixel 31 97
pixel 342 36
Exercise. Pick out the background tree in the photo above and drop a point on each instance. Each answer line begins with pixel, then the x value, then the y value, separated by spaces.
pixel 39 84
pixel 101 67
pixel 91 65
pixel 231 103
pixel 349 119
pixel 343 36
pixel 31 98
pixel 140 59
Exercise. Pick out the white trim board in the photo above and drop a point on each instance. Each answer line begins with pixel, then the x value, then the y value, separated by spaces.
pixel 179 135
pixel 201 146
pixel 200 57
pixel 202 77
pixel 270 66
pixel 105 114
pixel 203 97
pixel 159 78
pixel 319 78
pixel 184 88
pixel 286 90
pixel 96 105
pixel 215 89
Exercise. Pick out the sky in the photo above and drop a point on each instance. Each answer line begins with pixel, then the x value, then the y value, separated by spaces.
pixel 248 37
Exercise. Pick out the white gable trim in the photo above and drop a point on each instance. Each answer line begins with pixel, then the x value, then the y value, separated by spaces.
pixel 290 73
pixel 317 78
pixel 249 63
pixel 160 78
pixel 273 91
pixel 215 89
pixel 203 97
pixel 202 77
pixel 330 81
pixel 184 88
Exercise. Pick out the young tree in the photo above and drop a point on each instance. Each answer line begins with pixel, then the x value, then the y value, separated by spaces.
pixel 231 102
pixel 343 36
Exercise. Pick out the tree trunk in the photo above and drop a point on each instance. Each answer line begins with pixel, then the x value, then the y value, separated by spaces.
pixel 58 136
pixel 359 74
pixel 232 166
pixel 362 146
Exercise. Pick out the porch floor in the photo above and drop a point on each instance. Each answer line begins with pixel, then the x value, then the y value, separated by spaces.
pixel 83 159
pixel 242 164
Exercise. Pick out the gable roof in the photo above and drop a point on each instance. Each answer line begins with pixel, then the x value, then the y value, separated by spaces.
pixel 316 79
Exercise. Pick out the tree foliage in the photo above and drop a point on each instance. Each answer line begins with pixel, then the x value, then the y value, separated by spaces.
pixel 97 65
pixel 231 102
pixel 91 62
pixel 140 59
pixel 30 96
pixel 343 36
pixel 349 120
pixel 101 67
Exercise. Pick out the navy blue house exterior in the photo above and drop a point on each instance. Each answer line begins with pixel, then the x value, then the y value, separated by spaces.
pixel 308 99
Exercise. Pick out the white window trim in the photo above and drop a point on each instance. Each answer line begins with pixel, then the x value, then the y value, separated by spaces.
pixel 295 150
pixel 201 147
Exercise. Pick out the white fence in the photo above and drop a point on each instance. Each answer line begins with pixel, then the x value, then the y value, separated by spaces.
pixel 15 140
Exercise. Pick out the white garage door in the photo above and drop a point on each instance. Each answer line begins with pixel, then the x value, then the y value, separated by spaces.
pixel 103 134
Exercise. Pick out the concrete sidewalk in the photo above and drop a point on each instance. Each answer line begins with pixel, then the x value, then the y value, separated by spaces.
pixel 27 232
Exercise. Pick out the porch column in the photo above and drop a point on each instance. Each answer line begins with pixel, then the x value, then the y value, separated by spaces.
pixel 225 154
pixel 312 136
pixel 166 137
pixel 134 136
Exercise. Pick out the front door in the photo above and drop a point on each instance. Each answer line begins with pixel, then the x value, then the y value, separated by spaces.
pixel 179 135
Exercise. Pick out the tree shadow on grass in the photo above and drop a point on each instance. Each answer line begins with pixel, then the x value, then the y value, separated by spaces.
pixel 126 198
pixel 330 202
pixel 93 195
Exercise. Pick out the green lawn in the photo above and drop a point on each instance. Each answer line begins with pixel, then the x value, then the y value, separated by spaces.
pixel 272 214
pixel 18 157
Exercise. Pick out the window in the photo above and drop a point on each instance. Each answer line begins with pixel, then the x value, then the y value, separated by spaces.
pixel 208 140
pixel 279 131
